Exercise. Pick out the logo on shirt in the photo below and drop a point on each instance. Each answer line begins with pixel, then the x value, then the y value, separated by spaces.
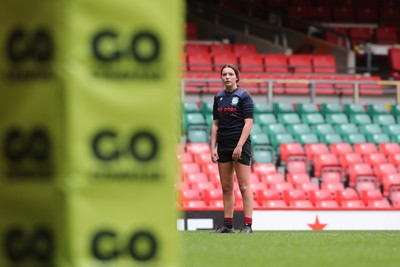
pixel 220 99
pixel 235 101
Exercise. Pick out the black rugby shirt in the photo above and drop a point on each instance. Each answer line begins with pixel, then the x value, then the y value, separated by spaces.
pixel 230 109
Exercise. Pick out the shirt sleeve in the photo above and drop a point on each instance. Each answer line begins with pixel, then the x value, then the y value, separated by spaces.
pixel 247 105
pixel 215 109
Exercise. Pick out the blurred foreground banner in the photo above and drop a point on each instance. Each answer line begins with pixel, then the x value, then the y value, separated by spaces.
pixel 89 102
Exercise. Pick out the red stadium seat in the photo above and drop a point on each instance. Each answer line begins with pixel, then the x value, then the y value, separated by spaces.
pixel 202 159
pixel 320 13
pixel 389 148
pixel 322 88
pixel 257 187
pixel 346 194
pixel 196 148
pixel 343 14
pixel 360 171
pixel 299 87
pixel 210 168
pixel 190 168
pixel 298 178
pixel 220 59
pixel 251 62
pixel 300 63
pixel 368 195
pixel 379 204
pixel 294 194
pixel 254 178
pixel 371 87
pixel 250 82
pixel 394 60
pixel 201 186
pixel 188 194
pixel 293 151
pixel 216 204
pixel 199 62
pixel 386 35
pixel 324 64
pixel 326 204
pixel 214 178
pixel 365 148
pixel 319 195
pixel 297 166
pixel 216 49
pixel 263 168
pixel 367 14
pixel 196 48
pixel 194 205
pixel 350 158
pixel 390 182
pixel 308 187
pixel 241 49
pixel 301 204
pixel 267 194
pixel 360 36
pixel 196 86
pixel 395 159
pixel 389 15
pixel 332 176
pixel 340 148
pixel 395 198
pixel 326 162
pixel 384 169
pixel 211 195
pixel 195 178
pixel 184 157
pixel 375 158
pixel 281 187
pixel 275 63
pixel 272 178
pixel 273 204
pixel 332 186
pixel 352 204
pixel 315 149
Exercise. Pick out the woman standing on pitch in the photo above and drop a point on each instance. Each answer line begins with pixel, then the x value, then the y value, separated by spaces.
pixel 231 147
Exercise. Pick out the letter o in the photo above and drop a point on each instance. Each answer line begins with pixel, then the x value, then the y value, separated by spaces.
pixel 144 136
pixel 42 245
pixel 155 45
pixel 145 236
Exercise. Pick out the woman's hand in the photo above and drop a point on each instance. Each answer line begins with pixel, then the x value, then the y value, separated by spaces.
pixel 214 156
pixel 237 153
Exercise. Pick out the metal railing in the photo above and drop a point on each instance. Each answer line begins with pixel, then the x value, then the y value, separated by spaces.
pixel 386 87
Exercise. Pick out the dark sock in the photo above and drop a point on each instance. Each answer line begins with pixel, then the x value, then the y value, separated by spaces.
pixel 228 222
pixel 248 221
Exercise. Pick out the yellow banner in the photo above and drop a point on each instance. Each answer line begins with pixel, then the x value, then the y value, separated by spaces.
pixel 89 98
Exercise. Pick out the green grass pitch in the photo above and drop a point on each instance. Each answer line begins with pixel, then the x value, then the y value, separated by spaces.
pixel 292 248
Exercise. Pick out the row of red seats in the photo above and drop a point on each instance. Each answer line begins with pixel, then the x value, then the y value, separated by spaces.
pixel 268 198
pixel 324 84
pixel 329 3
pixel 387 16
pixel 362 35
pixel 369 11
pixel 341 162
pixel 203 179
pixel 253 62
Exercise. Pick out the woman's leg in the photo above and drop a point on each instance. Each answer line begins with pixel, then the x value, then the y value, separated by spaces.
pixel 226 171
pixel 243 177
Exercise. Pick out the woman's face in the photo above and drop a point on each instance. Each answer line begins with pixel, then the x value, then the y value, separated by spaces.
pixel 228 77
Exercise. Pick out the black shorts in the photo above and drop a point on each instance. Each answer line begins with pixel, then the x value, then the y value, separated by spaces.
pixel 225 151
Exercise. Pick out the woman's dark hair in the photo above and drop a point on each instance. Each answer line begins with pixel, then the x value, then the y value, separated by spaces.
pixel 235 69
